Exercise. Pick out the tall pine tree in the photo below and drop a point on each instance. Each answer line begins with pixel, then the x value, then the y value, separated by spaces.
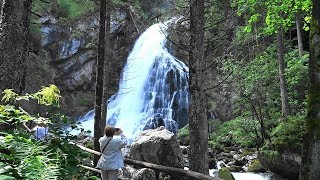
pixel 99 123
pixel 198 125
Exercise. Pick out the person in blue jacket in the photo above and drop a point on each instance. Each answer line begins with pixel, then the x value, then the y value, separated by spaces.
pixel 111 159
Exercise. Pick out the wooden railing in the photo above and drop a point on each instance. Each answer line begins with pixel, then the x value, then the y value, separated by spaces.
pixel 169 170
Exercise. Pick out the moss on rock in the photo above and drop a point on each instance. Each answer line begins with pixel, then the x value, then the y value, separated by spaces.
pixel 255 166
pixel 225 174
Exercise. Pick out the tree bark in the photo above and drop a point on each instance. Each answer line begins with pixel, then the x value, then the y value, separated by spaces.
pixel 198 153
pixel 311 150
pixel 299 35
pixel 98 122
pixel 283 84
pixel 106 78
pixel 14 48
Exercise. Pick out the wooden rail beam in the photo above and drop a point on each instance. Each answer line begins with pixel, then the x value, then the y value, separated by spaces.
pixel 157 167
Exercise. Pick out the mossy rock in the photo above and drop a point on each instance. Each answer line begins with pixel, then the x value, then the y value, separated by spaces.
pixel 235 168
pixel 246 151
pixel 225 174
pixel 255 166
pixel 286 165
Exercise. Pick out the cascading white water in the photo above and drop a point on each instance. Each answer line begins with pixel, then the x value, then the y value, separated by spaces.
pixel 153 89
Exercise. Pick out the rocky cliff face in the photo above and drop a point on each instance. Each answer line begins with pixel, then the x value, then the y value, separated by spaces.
pixel 66 56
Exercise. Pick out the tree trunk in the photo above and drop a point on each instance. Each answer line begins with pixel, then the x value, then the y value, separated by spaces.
pixel 283 84
pixel 311 150
pixel 98 122
pixel 1 3
pixel 299 35
pixel 14 43
pixel 198 153
pixel 106 78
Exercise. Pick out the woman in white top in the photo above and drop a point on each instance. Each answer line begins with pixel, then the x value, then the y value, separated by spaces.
pixel 40 131
pixel 111 159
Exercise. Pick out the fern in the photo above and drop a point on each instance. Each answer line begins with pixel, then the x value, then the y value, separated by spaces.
pixel 31 159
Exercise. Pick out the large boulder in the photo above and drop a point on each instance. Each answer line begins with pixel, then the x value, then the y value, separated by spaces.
pixel 128 172
pixel 158 146
pixel 286 165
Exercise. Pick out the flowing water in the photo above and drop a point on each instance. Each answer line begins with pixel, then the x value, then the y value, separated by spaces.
pixel 251 176
pixel 241 175
pixel 153 89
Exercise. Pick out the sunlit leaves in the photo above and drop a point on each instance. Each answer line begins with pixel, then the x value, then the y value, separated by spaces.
pixel 274 14
pixel 48 95
pixel 8 114
pixel 8 95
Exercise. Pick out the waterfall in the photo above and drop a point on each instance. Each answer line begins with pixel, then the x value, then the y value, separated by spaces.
pixel 153 89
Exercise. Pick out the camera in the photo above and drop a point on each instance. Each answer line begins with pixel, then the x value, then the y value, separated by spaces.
pixel 117 129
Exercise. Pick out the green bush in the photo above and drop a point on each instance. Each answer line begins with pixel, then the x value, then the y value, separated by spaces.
pixel 183 135
pixel 183 132
pixel 288 135
pixel 75 8
pixel 239 131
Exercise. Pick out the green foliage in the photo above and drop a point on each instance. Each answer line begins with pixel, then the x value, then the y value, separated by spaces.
pixel 239 131
pixel 9 95
pixel 24 158
pixel 183 132
pixel 269 154
pixel 40 7
pixel 69 157
pixel 275 14
pixel 5 177
pixel 10 115
pixel 288 135
pixel 27 159
pixel 48 95
pixel 256 83
pixel 75 8
pixel 256 78
pixel 297 80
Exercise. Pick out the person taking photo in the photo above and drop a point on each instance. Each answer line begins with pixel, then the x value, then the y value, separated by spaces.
pixel 111 159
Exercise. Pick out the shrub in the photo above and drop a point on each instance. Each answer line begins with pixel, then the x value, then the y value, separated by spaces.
pixel 288 135
pixel 183 135
pixel 75 8
pixel 25 158
pixel 183 132
pixel 239 131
